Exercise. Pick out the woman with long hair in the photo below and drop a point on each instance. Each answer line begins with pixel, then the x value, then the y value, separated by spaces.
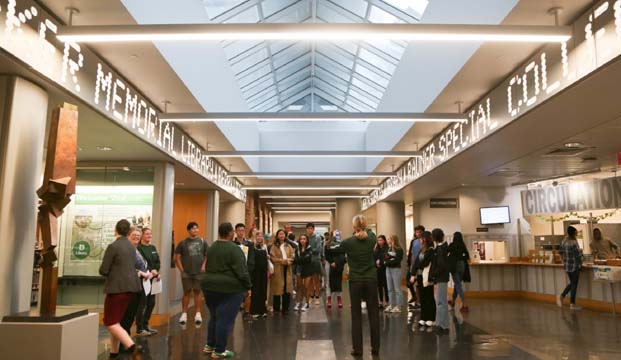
pixel 362 283
pixel 147 303
pixel 259 277
pixel 303 258
pixel 336 262
pixel 282 256
pixel 458 262
pixel 393 259
pixel 427 299
pixel 382 285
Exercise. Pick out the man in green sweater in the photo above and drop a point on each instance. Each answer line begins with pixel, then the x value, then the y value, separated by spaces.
pixel 362 283
pixel 225 282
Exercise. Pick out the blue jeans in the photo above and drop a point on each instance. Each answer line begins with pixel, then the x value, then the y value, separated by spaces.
pixel 572 287
pixel 393 277
pixel 442 318
pixel 458 289
pixel 223 309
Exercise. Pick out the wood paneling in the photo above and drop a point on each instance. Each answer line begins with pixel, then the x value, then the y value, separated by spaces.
pixel 189 206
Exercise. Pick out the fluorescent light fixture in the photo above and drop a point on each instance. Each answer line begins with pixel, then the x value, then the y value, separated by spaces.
pixel 313 196
pixel 303 208
pixel 314 154
pixel 301 212
pixel 303 187
pixel 314 31
pixel 313 117
pixel 295 107
pixel 311 175
pixel 301 203
pixel 329 108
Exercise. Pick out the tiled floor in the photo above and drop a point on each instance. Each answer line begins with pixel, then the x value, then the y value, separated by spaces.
pixel 493 329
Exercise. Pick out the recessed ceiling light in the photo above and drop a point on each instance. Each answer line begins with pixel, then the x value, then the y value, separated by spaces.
pixel 574 145
pixel 329 108
pixel 80 148
pixel 179 184
pixel 328 116
pixel 126 168
pixel 295 107
pixel 302 187
pixel 313 196
pixel 104 148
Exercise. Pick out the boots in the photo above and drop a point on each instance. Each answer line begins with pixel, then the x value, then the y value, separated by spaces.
pixel 339 300
pixel 329 302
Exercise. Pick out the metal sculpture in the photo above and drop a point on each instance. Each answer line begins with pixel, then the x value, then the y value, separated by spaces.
pixel 55 193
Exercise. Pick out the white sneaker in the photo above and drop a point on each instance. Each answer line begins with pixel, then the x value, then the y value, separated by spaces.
pixel 198 319
pixel 421 322
pixel 575 307
pixel 364 305
pixel 317 301
pixel 429 323
pixel 396 310
pixel 304 307
pixel 296 307
pixel 388 309
pixel 183 319
pixel 559 301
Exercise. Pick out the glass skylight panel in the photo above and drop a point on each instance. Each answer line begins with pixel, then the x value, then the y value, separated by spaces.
pixel 258 86
pixel 215 8
pixel 333 14
pixel 377 61
pixel 363 97
pixel 273 6
pixel 343 58
pixel 380 16
pixel 414 8
pixel 357 7
pixel 366 87
pixel 389 47
pixel 332 66
pixel 292 67
pixel 295 88
pixel 295 78
pixel 250 60
pixel 359 104
pixel 249 16
pixel 271 103
pixel 328 88
pixel 320 73
pixel 254 75
pixel 296 13
pixel 371 75
pixel 281 58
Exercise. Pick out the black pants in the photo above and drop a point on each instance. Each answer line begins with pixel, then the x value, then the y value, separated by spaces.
pixel 572 286
pixel 259 292
pixel 427 301
pixel 130 313
pixel 336 279
pixel 382 284
pixel 143 314
pixel 358 291
pixel 411 288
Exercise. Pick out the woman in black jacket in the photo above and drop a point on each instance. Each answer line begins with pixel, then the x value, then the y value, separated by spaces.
pixel 458 261
pixel 337 262
pixel 382 285
pixel 259 278
pixel 427 299
pixel 303 260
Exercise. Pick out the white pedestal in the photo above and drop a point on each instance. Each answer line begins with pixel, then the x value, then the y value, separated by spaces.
pixel 74 339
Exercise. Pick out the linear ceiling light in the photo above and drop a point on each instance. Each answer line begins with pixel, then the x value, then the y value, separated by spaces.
pixel 311 175
pixel 313 196
pixel 301 212
pixel 303 208
pixel 301 203
pixel 315 154
pixel 314 31
pixel 302 187
pixel 317 117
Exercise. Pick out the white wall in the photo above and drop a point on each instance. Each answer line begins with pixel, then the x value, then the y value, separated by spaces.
pixel 446 219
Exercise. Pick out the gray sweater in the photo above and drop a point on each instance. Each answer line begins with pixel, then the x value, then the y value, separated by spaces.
pixel 119 268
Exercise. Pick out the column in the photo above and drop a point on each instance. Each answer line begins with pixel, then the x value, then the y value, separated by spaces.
pixel 391 220
pixel 163 199
pixel 233 212
pixel 23 120
pixel 249 219
pixel 332 220
pixel 346 209
pixel 213 215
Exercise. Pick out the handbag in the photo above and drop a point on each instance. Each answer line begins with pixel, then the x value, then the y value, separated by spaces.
pixel 270 267
pixel 426 281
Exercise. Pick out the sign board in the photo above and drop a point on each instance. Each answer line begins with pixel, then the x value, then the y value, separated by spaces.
pixel 596 40
pixel 578 196
pixel 27 32
pixel 447 203
pixel 482 229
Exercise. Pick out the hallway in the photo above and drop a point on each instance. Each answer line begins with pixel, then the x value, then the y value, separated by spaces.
pixel 491 330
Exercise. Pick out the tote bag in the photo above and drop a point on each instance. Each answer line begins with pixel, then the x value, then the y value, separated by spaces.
pixel 270 267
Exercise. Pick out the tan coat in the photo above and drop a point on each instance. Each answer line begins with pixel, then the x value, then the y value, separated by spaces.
pixel 277 280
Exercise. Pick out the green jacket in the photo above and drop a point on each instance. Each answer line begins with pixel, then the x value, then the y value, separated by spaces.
pixel 226 270
pixel 149 252
pixel 360 257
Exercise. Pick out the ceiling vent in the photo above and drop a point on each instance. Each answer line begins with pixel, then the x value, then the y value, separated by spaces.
pixel 562 152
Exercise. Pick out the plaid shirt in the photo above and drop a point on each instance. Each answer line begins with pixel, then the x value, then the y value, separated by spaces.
pixel 571 254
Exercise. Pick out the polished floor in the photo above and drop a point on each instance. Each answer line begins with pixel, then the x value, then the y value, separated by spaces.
pixel 493 329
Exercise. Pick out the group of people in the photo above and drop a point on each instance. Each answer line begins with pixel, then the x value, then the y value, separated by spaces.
pixel 261 274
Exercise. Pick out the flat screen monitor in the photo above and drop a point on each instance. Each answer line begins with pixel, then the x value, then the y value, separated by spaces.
pixel 495 215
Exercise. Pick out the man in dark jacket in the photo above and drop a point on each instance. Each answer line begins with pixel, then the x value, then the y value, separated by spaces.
pixel 247 248
pixel 439 273
pixel 122 283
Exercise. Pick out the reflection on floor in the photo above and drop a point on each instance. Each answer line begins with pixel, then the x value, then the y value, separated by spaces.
pixel 493 329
